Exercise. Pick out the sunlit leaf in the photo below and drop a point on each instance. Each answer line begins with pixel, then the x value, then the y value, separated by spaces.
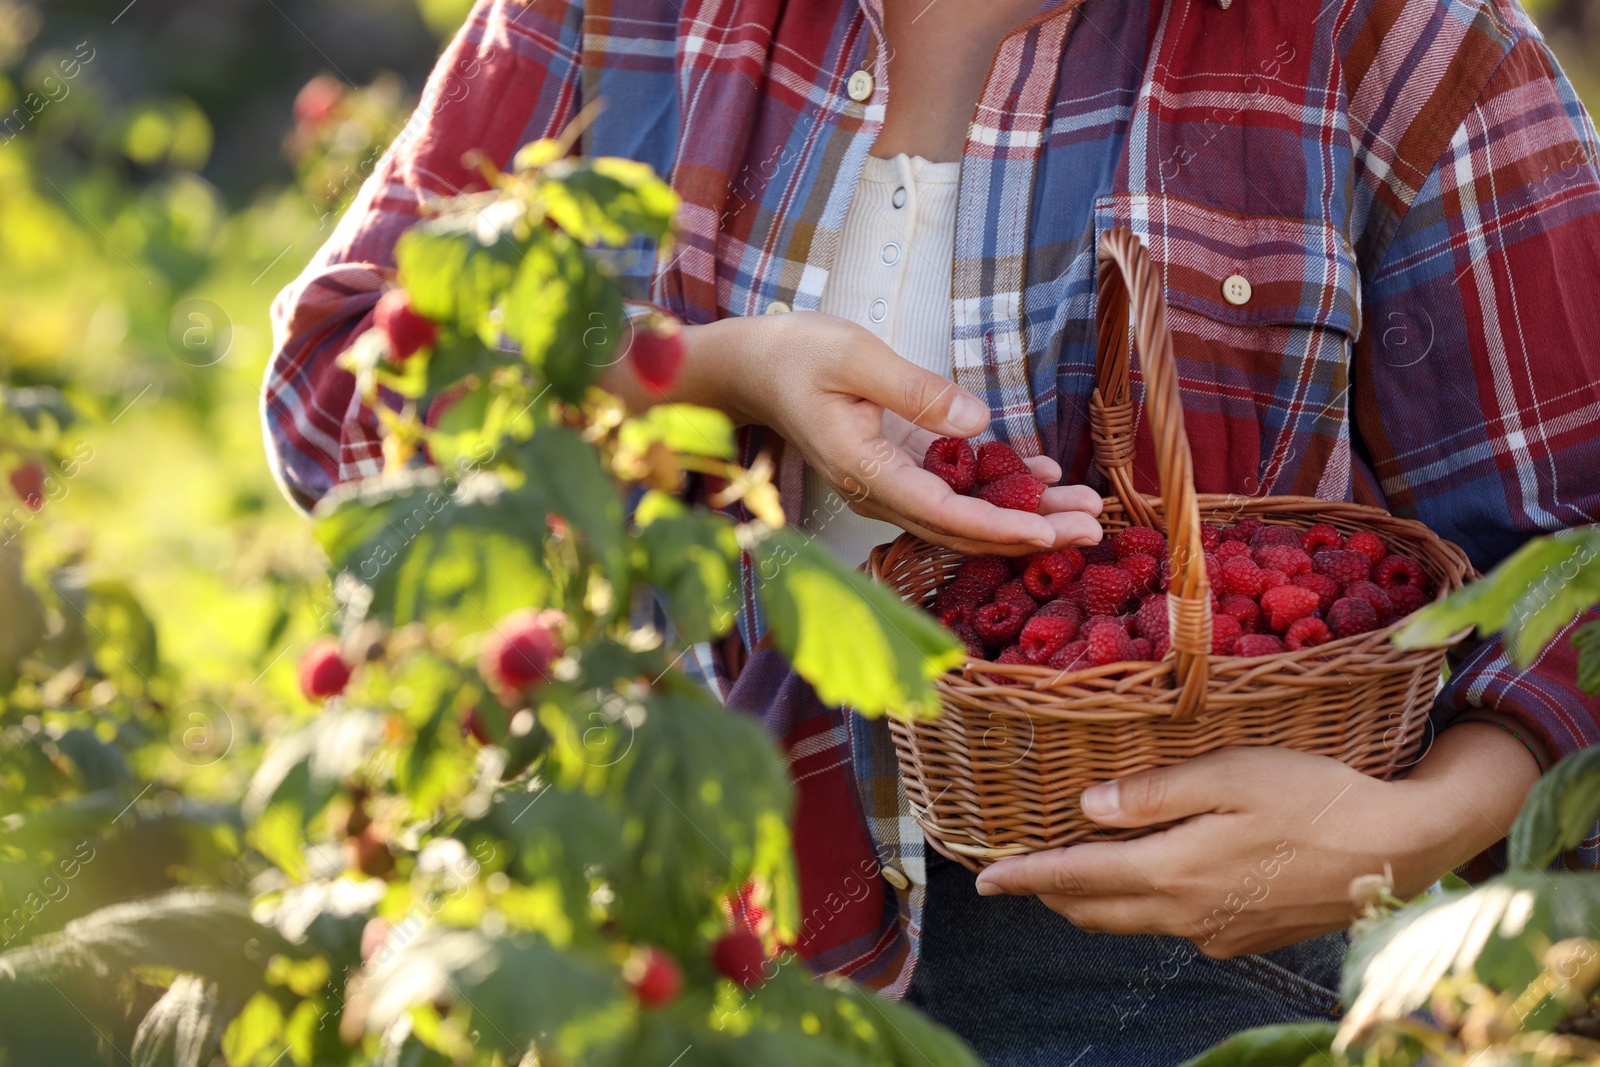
pixel 303 770
pixel 693 559
pixel 1279 1045
pixel 568 478
pixel 182 1029
pixel 1559 813
pixel 564 314
pixel 608 200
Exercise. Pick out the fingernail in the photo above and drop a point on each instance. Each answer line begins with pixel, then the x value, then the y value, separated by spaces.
pixel 987 889
pixel 1100 801
pixel 966 414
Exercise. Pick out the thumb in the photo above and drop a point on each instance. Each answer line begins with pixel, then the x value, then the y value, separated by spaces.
pixel 1163 795
pixel 920 396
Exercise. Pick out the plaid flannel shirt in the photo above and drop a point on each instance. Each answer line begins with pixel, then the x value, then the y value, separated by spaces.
pixel 1410 187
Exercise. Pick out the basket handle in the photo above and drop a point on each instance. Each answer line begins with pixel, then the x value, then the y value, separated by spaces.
pixel 1130 290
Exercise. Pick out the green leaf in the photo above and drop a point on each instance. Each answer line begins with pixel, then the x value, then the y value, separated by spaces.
pixel 302 771
pixel 607 200
pixel 566 475
pixel 854 640
pixel 693 559
pixel 99 765
pixel 1559 812
pixel 564 313
pixel 458 267
pixel 684 428
pixel 1587 640
pixel 1280 1045
pixel 432 548
pixel 557 835
pixel 182 1029
pixel 253 1031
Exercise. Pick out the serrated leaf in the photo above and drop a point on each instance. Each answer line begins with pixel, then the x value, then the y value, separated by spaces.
pixel 566 474
pixel 564 314
pixel 458 267
pixel 684 428
pixel 1559 812
pixel 854 640
pixel 557 835
pixel 692 558
pixel 182 1029
pixel 1587 641
pixel 1280 1045
pixel 607 200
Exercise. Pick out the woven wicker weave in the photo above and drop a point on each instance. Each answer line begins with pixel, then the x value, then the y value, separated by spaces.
pixel 999 772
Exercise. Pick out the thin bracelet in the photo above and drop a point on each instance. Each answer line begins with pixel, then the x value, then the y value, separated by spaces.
pixel 1491 722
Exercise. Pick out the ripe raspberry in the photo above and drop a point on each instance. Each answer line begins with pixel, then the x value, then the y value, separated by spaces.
pixel 1060 609
pixel 406 330
pixel 1406 599
pixel 519 651
pixel 1100 552
pixel 1016 592
pixel 1243 530
pixel 1291 561
pixel 28 482
pixel 1106 589
pixel 1368 544
pixel 1043 637
pixel 1320 536
pixel 1400 570
pixel 1239 576
pixel 1138 541
pixel 1326 588
pixel 1072 656
pixel 1210 537
pixel 1095 620
pixel 953 460
pixel 1225 631
pixel 1382 605
pixel 1151 620
pixel 1144 570
pixel 1257 645
pixel 317 100
pixel 992 571
pixel 997 460
pixel 322 670
pixel 1307 633
pixel 1350 616
pixel 656 353
pixel 1233 550
pixel 653 976
pixel 1213 568
pixel 1271 579
pixel 1000 623
pixel 739 958
pixel 1243 609
pixel 1269 536
pixel 1073 594
pixel 1019 492
pixel 1109 643
pixel 1343 565
pixel 969 637
pixel 1013 654
pixel 1287 603
pixel 1142 648
pixel 1161 646
pixel 1051 572
pixel 959 601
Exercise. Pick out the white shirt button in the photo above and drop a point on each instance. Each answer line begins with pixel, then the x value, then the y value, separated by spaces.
pixel 778 307
pixel 860 86
pixel 899 197
pixel 1236 290
pixel 878 311
pixel 890 254
pixel 895 878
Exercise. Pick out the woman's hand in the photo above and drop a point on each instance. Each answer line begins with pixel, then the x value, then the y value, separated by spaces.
pixel 863 417
pixel 1268 841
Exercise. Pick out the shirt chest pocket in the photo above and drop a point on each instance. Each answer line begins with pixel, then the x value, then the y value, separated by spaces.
pixel 1264 313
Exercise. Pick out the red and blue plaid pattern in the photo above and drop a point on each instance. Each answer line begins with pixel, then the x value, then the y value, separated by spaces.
pixel 1410 186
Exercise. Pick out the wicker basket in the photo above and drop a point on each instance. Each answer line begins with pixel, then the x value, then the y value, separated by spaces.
pixel 999 772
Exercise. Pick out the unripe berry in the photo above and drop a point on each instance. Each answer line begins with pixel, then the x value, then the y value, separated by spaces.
pixel 740 958
pixel 406 330
pixel 518 652
pixel 654 977
pixel 323 671
pixel 657 353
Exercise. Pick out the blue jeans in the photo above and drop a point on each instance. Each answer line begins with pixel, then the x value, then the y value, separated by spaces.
pixel 1026 988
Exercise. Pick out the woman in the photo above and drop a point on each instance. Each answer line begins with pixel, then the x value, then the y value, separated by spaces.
pixel 889 222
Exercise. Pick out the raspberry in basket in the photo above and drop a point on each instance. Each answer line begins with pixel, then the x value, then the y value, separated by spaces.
pixel 1242 530
pixel 1050 572
pixel 1100 552
pixel 1286 604
pixel 969 637
pixel 953 460
pixel 1368 544
pixel 1138 541
pixel 1239 576
pixel 1151 621
pixel 1343 565
pixel 1142 648
pixel 1320 536
pixel 1225 630
pixel 1381 603
pixel 1326 588
pixel 1351 615
pixel 997 460
pixel 1307 633
pixel 1210 537
pixel 1144 570
pixel 992 571
pixel 1060 609
pixel 1072 656
pixel 1400 570
pixel 1015 591
pixel 959 601
pixel 1291 561
pixel 1019 492
pixel 1012 654
pixel 999 623
pixel 1109 643
pixel 1271 579
pixel 1242 608
pixel 1406 599
pixel 1268 536
pixel 1042 638
pixel 1232 550
pixel 1257 645
pixel 1106 589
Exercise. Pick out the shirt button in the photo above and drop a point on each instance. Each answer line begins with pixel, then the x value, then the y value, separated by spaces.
pixel 1236 290
pixel 860 86
pixel 895 878
pixel 899 197
pixel 890 254
pixel 878 311
pixel 778 307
